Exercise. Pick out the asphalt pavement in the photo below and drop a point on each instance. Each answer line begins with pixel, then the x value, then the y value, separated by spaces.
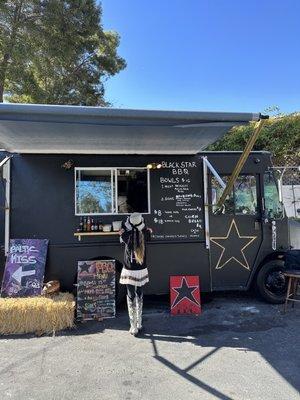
pixel 239 348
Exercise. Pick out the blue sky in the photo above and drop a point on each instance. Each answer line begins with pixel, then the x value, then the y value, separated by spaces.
pixel 230 55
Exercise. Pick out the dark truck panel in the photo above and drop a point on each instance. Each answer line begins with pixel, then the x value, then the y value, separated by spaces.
pixel 42 206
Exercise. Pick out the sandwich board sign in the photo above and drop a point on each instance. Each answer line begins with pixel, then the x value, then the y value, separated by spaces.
pixel 96 290
pixel 25 268
pixel 185 294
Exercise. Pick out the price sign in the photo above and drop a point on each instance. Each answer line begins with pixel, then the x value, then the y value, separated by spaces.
pixel 176 200
pixel 96 289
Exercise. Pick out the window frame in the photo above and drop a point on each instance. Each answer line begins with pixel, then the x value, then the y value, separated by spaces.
pixel 276 184
pixel 114 186
pixel 257 180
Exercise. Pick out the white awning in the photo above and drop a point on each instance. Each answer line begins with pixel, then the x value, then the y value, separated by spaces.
pixel 28 128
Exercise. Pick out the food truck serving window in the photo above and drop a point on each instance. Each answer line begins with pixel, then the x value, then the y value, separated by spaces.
pixel 241 201
pixel 111 191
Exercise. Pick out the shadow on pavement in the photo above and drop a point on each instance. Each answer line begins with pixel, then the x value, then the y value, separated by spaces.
pixel 231 320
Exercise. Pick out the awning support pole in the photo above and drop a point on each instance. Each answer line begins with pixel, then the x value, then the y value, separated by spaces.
pixel 241 162
pixel 206 210
pixel 6 175
pixel 214 172
pixel 4 161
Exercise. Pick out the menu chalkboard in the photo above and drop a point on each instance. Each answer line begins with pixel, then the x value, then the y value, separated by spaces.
pixel 96 289
pixel 176 200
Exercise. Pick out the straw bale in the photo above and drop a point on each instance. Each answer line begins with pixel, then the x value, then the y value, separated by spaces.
pixel 36 314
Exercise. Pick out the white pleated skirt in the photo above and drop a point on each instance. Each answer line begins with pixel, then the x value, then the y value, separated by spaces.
pixel 135 278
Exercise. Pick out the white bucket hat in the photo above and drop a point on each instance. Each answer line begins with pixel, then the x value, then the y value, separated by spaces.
pixel 136 219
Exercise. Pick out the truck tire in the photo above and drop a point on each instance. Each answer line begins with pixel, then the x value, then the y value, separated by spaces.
pixel 271 284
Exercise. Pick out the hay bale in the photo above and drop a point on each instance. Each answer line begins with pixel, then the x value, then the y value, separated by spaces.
pixel 36 314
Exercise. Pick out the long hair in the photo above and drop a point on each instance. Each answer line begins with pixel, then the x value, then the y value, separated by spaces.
pixel 138 246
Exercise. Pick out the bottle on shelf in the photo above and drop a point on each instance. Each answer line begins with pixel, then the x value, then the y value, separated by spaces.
pixel 81 225
pixel 92 225
pixel 84 224
pixel 88 224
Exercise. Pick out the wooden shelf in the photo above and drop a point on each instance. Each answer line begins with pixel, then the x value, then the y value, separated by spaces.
pixel 79 234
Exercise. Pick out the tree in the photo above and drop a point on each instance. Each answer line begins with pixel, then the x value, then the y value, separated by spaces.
pixel 55 52
pixel 90 204
pixel 280 135
pixel 15 18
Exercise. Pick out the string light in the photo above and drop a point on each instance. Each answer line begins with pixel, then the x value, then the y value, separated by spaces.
pixel 154 166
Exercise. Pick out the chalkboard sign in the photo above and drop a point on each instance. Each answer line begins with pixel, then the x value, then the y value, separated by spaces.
pixel 96 289
pixel 25 268
pixel 176 200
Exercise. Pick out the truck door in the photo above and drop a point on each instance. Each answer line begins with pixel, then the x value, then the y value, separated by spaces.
pixel 235 232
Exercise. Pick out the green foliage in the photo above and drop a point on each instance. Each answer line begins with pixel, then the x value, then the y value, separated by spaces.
pixel 90 204
pixel 55 52
pixel 280 135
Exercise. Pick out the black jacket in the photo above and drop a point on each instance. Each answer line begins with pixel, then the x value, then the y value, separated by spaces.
pixel 129 258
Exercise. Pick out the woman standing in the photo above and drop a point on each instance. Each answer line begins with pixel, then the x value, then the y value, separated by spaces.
pixel 134 274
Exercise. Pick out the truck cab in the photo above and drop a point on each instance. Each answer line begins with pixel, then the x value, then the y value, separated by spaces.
pixel 250 231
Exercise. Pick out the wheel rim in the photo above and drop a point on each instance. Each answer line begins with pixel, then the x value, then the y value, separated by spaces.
pixel 275 282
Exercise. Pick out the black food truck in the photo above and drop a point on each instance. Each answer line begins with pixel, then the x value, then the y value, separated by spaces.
pixel 73 174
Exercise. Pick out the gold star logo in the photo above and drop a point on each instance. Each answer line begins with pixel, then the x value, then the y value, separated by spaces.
pixel 233 246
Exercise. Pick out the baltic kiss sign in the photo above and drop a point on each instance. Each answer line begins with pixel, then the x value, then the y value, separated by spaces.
pixel 25 268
